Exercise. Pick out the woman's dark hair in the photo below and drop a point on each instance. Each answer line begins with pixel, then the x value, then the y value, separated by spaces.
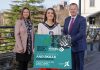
pixel 21 13
pixel 45 17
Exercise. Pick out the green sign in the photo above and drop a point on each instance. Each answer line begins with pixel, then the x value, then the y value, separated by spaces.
pixel 50 53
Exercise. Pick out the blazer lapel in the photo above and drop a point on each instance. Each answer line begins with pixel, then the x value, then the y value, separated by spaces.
pixel 23 23
pixel 68 23
pixel 75 23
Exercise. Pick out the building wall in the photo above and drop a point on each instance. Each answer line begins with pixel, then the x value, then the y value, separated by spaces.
pixel 87 10
pixel 61 12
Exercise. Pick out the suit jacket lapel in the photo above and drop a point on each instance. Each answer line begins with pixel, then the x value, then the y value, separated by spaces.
pixel 68 23
pixel 75 23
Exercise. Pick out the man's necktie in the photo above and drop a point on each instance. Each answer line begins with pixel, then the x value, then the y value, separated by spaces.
pixel 71 24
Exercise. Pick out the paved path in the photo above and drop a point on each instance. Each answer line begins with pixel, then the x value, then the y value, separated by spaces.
pixel 94 62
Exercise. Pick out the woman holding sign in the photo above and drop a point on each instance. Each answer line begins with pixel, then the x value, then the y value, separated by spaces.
pixel 49 26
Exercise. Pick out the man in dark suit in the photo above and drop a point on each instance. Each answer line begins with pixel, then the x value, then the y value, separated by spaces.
pixel 75 26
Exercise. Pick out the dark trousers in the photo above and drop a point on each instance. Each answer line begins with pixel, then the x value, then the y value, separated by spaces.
pixel 22 60
pixel 78 60
pixel 22 65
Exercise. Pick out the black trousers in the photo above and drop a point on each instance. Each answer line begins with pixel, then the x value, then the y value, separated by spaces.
pixel 22 59
pixel 22 65
pixel 78 60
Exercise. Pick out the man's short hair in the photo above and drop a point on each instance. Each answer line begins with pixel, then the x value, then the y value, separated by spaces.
pixel 73 4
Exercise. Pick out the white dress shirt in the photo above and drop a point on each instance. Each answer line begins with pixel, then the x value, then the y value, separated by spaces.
pixel 70 22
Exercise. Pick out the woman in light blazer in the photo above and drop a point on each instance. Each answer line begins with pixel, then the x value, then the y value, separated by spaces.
pixel 24 39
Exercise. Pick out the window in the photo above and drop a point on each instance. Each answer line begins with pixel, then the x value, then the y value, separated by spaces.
pixel 92 3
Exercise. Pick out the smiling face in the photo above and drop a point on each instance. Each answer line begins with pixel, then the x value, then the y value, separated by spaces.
pixel 73 10
pixel 25 13
pixel 50 14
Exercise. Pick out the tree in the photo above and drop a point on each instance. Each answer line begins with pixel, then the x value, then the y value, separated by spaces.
pixel 17 5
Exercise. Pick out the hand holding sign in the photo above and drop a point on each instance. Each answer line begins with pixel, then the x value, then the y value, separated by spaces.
pixel 65 41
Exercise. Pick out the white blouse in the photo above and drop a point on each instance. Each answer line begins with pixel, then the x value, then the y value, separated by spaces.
pixel 43 29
